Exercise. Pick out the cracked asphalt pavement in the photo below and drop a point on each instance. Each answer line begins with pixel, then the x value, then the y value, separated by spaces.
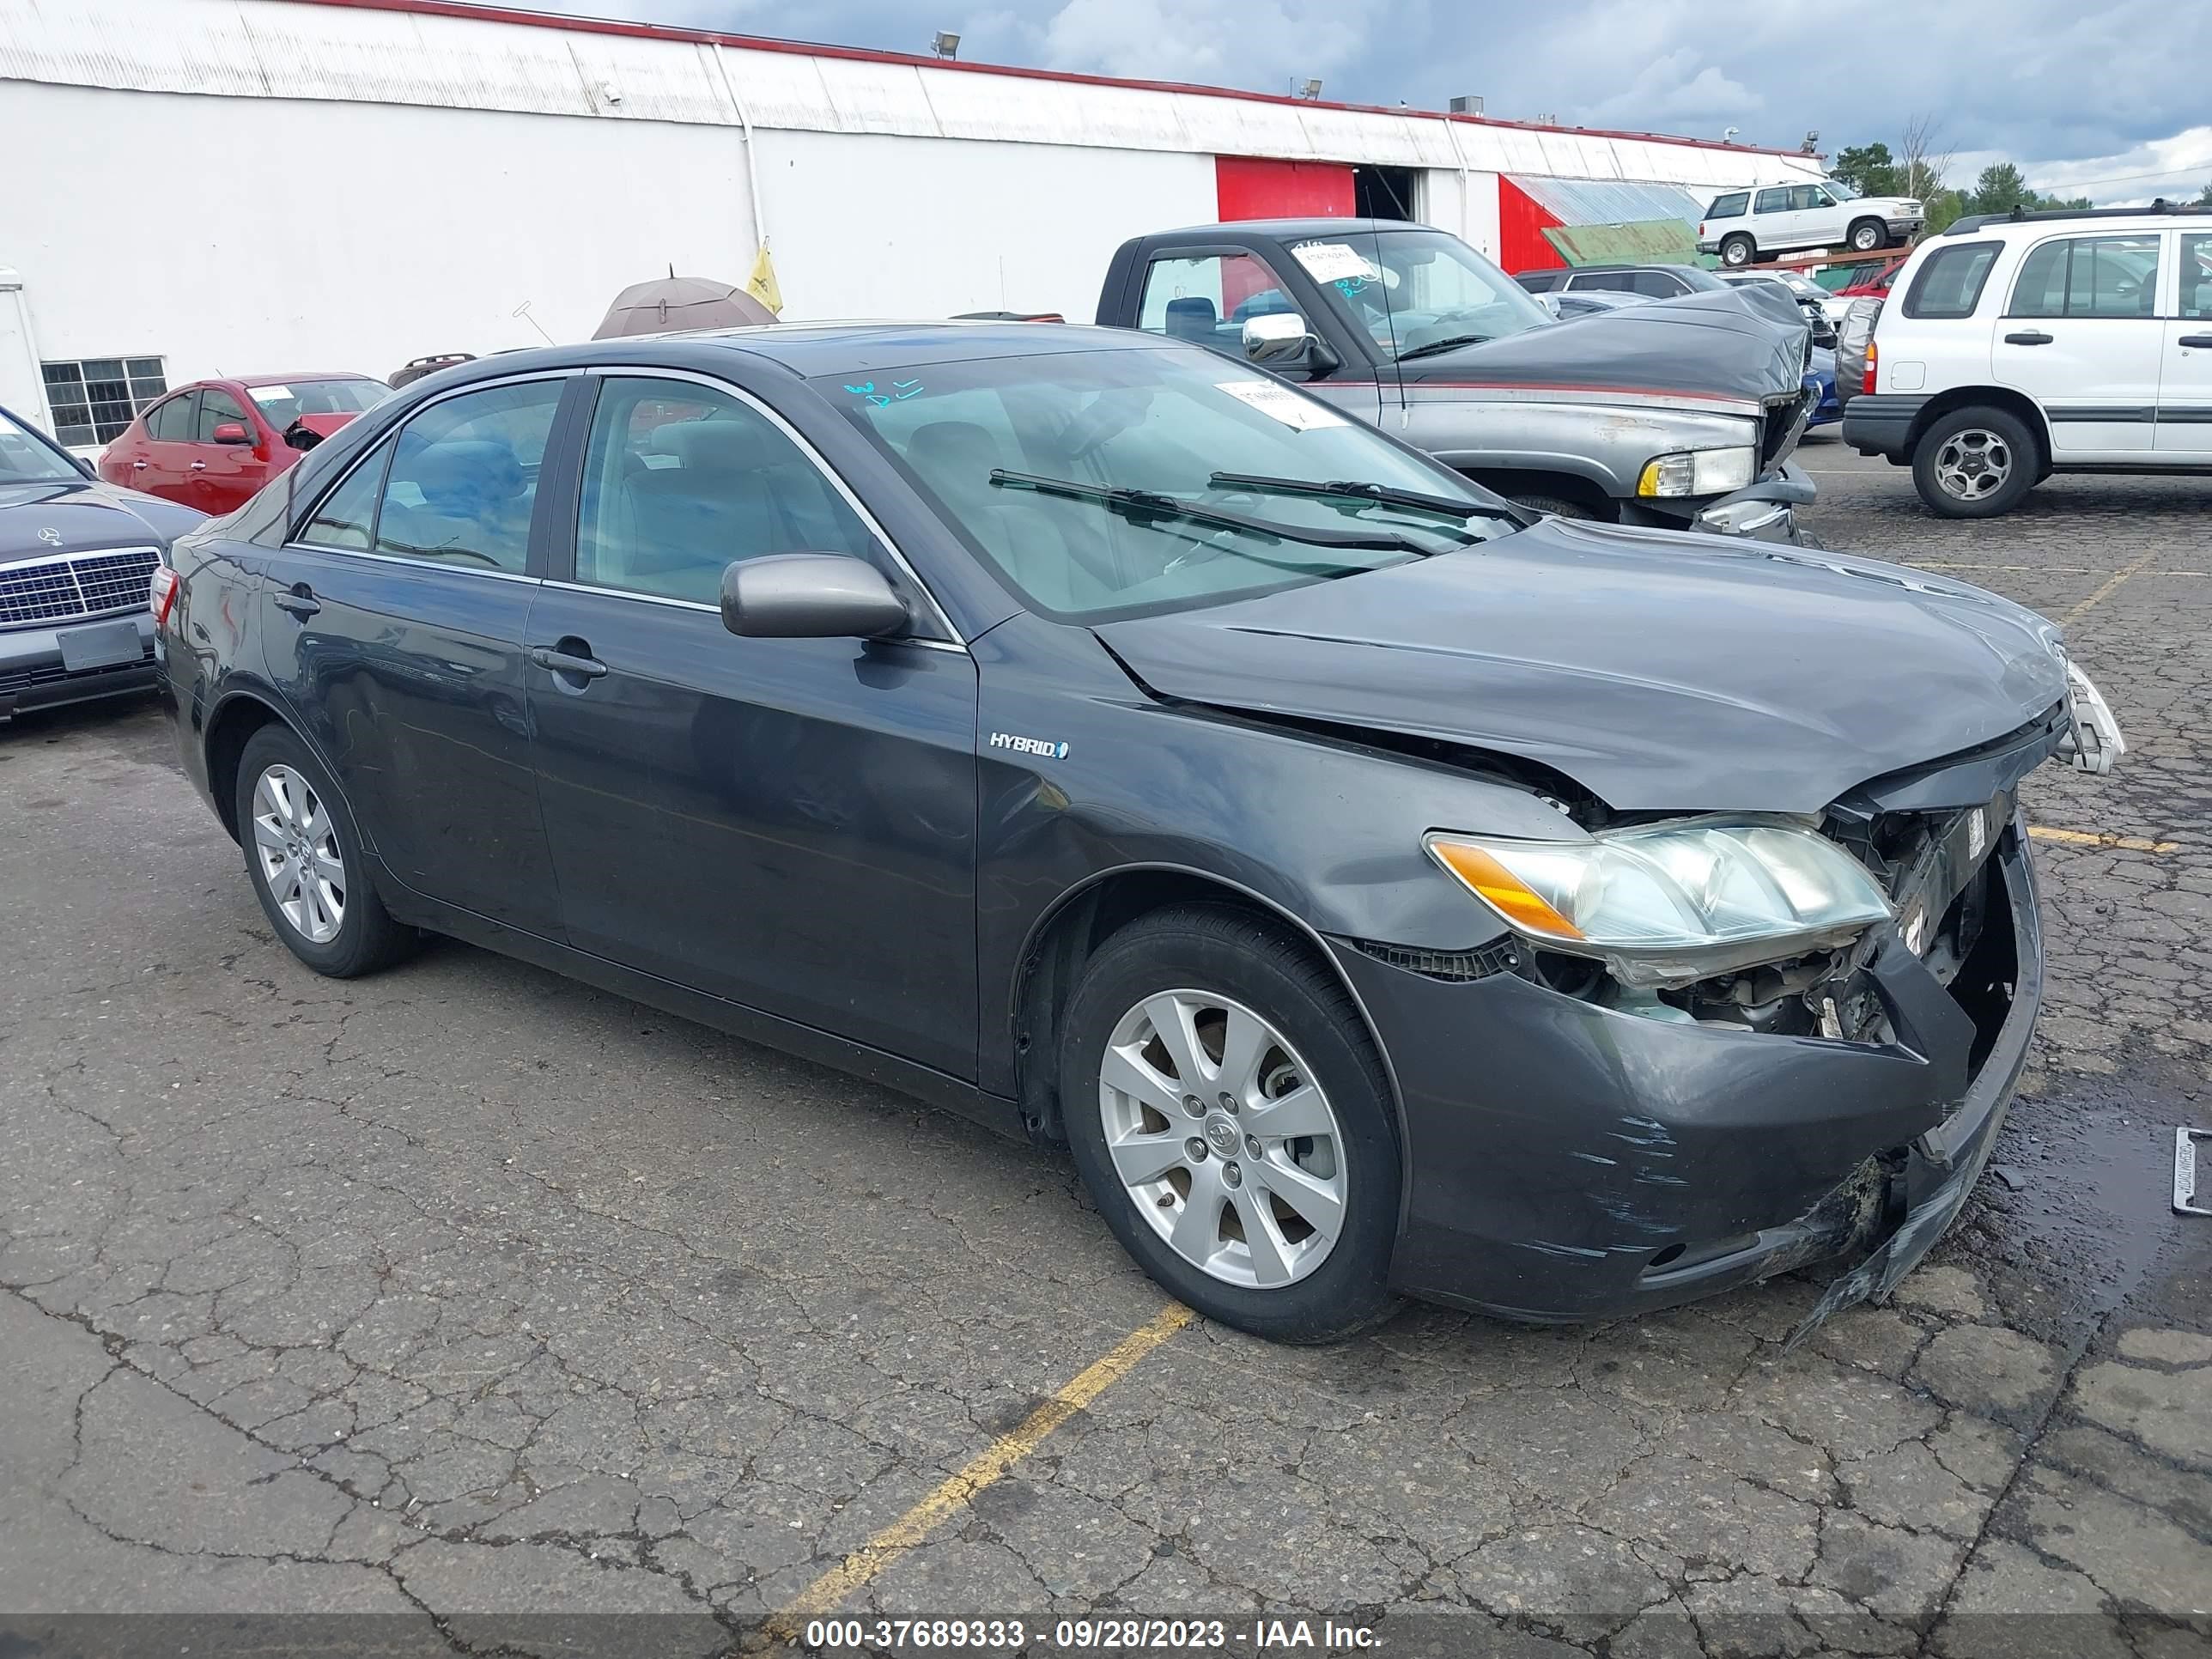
pixel 466 1296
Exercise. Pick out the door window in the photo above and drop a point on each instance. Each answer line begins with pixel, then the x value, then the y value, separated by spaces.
pixel 1950 283
pixel 1205 300
pixel 172 422
pixel 680 480
pixel 1804 197
pixel 2196 274
pixel 1772 201
pixel 464 477
pixel 2089 276
pixel 347 517
pixel 218 408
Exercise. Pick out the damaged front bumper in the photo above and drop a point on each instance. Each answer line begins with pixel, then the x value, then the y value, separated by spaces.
pixel 1566 1161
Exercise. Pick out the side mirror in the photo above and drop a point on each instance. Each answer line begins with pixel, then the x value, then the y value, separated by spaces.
pixel 1279 339
pixel 809 596
pixel 230 432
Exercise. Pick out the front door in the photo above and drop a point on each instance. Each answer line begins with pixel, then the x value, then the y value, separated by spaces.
pixel 394 623
pixel 230 456
pixel 2185 379
pixel 789 824
pixel 2080 334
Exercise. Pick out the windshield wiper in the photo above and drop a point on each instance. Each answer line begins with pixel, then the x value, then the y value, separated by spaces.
pixel 1145 507
pixel 1354 489
pixel 1430 348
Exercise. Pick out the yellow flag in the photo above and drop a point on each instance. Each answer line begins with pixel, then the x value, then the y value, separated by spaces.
pixel 762 284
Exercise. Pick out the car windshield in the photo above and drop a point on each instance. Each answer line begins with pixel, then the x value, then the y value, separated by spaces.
pixel 281 404
pixel 1429 288
pixel 25 457
pixel 978 437
pixel 1840 191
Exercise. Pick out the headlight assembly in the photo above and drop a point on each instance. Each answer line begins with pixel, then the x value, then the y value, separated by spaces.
pixel 1699 471
pixel 1669 903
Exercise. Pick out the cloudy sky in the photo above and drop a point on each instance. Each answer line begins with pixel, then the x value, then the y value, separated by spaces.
pixel 2108 99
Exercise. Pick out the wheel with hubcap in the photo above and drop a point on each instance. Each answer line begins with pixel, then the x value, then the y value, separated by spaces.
pixel 1232 1120
pixel 303 857
pixel 1737 251
pixel 1868 235
pixel 1975 464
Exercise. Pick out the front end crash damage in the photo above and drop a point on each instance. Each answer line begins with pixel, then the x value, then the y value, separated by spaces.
pixel 1583 1151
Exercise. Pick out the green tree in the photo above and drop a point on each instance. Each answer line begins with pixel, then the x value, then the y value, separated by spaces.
pixel 1999 189
pixel 2204 195
pixel 1867 169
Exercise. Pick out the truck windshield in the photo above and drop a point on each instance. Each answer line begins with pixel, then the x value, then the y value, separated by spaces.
pixel 1421 290
pixel 1152 428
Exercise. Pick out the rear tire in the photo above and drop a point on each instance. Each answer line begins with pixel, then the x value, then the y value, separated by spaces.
pixel 1975 463
pixel 1868 235
pixel 1195 1170
pixel 1737 251
pixel 305 859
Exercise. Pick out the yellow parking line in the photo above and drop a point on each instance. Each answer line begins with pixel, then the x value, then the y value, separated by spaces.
pixel 2111 583
pixel 830 1589
pixel 2086 838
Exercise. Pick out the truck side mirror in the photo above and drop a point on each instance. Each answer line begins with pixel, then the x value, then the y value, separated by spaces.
pixel 1280 339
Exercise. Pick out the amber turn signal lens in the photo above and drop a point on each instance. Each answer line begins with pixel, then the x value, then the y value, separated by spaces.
pixel 1503 890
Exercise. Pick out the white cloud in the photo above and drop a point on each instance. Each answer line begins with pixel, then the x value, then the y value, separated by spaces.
pixel 1667 88
pixel 2178 166
pixel 1260 44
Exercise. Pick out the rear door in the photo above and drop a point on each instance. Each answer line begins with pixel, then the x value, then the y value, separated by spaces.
pixel 1774 217
pixel 2080 334
pixel 168 451
pixel 786 823
pixel 2185 384
pixel 129 459
pixel 394 627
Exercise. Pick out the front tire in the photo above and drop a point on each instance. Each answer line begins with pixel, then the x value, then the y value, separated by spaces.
pixel 1975 463
pixel 304 858
pixel 1868 235
pixel 1231 1119
pixel 1738 251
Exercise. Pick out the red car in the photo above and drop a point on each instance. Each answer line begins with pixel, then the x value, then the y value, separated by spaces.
pixel 212 444
pixel 1873 279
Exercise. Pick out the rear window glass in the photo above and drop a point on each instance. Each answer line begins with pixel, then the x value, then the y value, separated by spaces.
pixel 1950 284
pixel 1730 206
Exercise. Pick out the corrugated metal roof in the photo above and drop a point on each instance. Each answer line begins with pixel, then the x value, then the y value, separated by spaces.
pixel 1611 201
pixel 446 56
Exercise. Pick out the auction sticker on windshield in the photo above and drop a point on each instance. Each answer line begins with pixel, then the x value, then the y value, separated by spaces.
pixel 1302 414
pixel 1332 262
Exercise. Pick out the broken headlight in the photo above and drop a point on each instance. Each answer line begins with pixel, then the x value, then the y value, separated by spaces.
pixel 2092 740
pixel 1670 903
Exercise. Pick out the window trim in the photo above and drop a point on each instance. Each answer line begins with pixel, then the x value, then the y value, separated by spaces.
pixel 2165 269
pixel 386 442
pixel 602 371
pixel 1905 307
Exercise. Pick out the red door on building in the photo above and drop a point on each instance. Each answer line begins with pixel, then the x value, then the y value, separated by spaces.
pixel 1253 187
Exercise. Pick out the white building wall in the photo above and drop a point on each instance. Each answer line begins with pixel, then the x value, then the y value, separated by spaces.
pixel 875 226
pixel 237 235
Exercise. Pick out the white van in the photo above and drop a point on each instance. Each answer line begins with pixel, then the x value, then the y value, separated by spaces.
pixel 2015 347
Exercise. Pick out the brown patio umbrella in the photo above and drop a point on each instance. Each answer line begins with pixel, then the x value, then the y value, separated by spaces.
pixel 672 302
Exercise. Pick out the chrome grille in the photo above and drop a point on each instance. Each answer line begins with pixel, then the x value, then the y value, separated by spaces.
pixel 84 585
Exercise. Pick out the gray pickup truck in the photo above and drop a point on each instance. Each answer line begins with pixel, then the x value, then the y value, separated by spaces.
pixel 1682 414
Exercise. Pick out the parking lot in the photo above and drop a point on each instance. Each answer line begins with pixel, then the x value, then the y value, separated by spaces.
pixel 469 1296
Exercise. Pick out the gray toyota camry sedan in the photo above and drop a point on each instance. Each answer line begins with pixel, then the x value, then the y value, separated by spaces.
pixel 1378 887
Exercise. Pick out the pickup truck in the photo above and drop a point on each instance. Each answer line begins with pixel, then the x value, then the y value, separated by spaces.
pixel 1681 414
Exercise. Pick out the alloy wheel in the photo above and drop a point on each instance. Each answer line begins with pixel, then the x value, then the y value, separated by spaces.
pixel 1973 463
pixel 297 847
pixel 1223 1137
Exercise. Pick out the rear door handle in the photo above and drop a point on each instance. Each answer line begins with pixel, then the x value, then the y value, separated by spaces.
pixel 2028 337
pixel 199 466
pixel 139 465
pixel 301 602
pixel 560 662
pixel 2202 341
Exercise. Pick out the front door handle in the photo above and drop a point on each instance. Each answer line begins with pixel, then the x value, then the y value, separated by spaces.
pixel 138 466
pixel 199 466
pixel 2202 341
pixel 301 602
pixel 2028 337
pixel 561 662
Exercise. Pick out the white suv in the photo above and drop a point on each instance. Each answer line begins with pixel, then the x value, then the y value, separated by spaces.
pixel 1743 225
pixel 2013 348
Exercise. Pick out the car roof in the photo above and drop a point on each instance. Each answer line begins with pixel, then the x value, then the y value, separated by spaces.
pixel 248 381
pixel 1289 229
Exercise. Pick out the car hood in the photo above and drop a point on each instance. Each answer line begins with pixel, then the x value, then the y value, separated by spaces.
pixel 1664 672
pixel 83 516
pixel 1733 344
